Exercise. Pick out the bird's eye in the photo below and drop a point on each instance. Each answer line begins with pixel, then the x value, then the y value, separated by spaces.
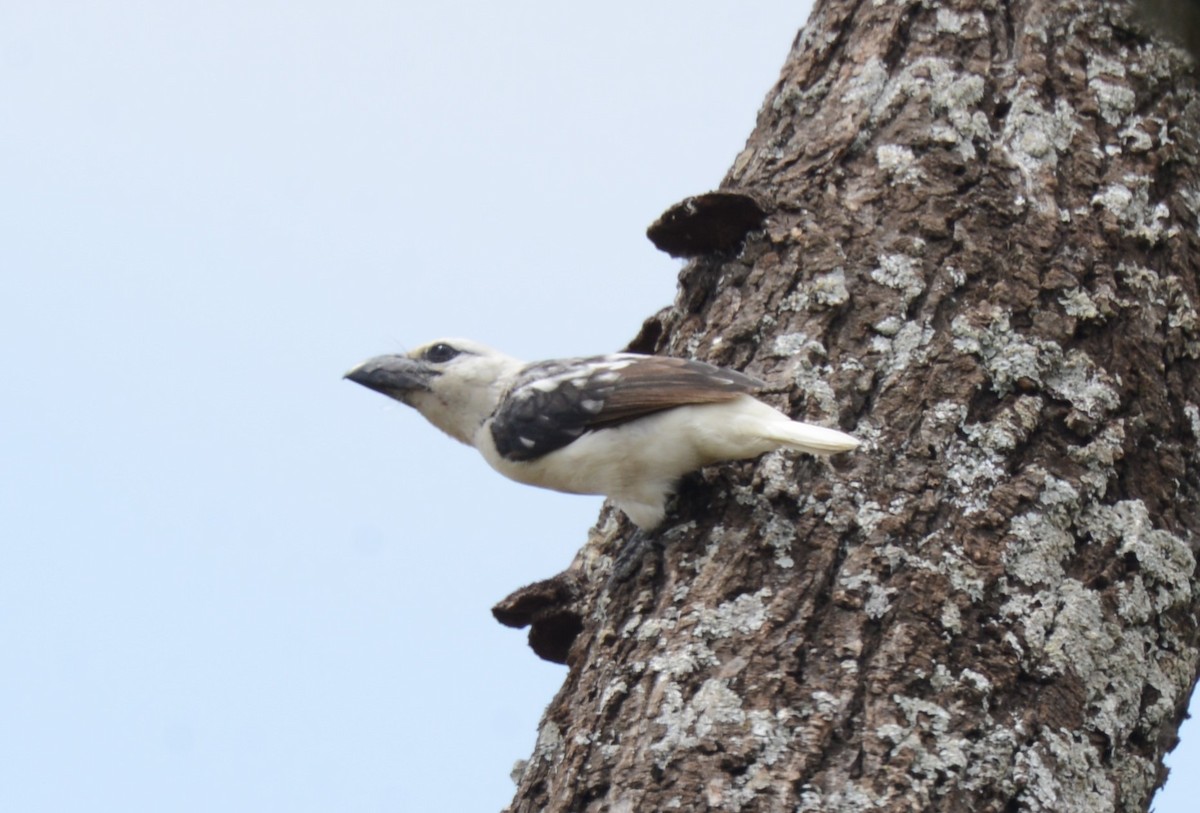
pixel 441 352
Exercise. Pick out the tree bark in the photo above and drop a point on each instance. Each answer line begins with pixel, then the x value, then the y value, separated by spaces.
pixel 979 255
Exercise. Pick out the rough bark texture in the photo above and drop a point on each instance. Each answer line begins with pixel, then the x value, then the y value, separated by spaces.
pixel 980 256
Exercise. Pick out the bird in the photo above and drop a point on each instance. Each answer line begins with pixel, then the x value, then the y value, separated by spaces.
pixel 626 426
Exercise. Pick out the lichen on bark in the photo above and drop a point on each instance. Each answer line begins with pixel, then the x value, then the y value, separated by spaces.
pixel 980 255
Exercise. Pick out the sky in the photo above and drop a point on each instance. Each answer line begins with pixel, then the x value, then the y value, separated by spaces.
pixel 230 580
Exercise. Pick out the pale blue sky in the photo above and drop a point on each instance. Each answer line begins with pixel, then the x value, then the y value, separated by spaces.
pixel 229 580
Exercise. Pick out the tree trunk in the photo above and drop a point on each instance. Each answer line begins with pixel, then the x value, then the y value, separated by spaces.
pixel 976 249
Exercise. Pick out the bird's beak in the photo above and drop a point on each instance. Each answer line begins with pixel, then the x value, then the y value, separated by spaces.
pixel 394 376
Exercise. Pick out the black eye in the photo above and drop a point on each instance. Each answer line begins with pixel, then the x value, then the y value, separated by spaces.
pixel 440 352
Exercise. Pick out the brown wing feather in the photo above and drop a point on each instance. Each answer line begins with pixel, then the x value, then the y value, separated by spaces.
pixel 654 383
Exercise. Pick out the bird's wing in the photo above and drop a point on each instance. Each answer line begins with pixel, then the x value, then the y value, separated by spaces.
pixel 554 402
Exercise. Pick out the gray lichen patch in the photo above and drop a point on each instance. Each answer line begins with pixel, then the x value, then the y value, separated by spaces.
pixel 1034 137
pixel 869 515
pixel 743 615
pixel 549 745
pixel 1114 100
pixel 899 162
pixel 927 733
pixel 853 587
pixel 1162 301
pixel 1100 65
pixel 888 326
pixel 952 95
pixel 772 732
pixel 976 456
pixel 1190 197
pixel 1062 628
pixel 683 660
pixel 1063 773
pixel 902 344
pixel 716 712
pixel 1066 628
pixel 1041 540
pixel 677 719
pixel 716 704
pixel 1098 456
pixel 1142 281
pixel 1077 303
pixel 1038 549
pixel 899 271
pixel 867 83
pixel 776 475
pixel 702 626
pixel 837 511
pixel 791 344
pixel 1106 80
pixel 823 291
pixel 879 601
pixel 951 618
pixel 1165 560
pixel 1134 135
pixel 970 25
pixel 963 576
pixel 1181 311
pixel 970 476
pixel 1076 379
pixel 810 375
pixel 1193 415
pixel 1182 318
pixel 1128 203
pixel 979 681
pixel 1009 357
pixel 780 535
pixel 848 798
pixel 1009 428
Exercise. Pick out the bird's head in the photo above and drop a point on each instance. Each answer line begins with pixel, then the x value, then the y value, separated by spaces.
pixel 454 383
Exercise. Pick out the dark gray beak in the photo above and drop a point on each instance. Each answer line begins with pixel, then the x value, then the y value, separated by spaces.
pixel 394 376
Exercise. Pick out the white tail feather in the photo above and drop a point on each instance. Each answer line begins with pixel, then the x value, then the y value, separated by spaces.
pixel 809 438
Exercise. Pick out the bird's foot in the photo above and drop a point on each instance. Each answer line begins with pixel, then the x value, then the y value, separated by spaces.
pixel 633 553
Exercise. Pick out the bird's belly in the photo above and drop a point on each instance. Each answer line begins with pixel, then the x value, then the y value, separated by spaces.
pixel 583 467
pixel 648 452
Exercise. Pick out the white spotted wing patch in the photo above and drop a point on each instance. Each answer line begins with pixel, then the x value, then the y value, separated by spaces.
pixel 554 402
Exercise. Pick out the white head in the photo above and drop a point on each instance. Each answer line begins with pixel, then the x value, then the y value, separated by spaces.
pixel 454 383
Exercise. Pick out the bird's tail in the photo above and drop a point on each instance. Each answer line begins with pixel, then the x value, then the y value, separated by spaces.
pixel 809 438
